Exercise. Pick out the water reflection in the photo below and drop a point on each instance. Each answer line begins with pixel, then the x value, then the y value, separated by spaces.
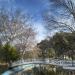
pixel 47 70
pixel 39 69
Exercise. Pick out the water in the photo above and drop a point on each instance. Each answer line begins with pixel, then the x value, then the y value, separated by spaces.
pixel 18 69
pixel 37 69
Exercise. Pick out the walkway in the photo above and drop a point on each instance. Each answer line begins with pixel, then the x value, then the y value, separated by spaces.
pixel 66 64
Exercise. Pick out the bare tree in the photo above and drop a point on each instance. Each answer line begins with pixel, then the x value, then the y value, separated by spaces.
pixel 15 29
pixel 10 25
pixel 26 40
pixel 56 22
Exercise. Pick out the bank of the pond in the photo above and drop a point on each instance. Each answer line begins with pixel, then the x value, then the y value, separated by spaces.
pixel 3 67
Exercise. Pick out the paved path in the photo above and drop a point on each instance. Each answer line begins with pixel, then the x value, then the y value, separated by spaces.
pixel 66 64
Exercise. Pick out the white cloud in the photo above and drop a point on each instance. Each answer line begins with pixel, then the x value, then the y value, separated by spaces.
pixel 41 31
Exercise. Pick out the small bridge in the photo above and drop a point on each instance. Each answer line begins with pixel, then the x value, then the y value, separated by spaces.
pixel 65 64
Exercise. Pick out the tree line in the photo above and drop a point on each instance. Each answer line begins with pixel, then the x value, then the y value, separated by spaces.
pixel 61 45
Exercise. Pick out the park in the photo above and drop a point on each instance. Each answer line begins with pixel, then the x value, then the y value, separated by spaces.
pixel 37 37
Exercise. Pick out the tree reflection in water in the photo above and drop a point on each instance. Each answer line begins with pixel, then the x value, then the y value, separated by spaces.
pixel 47 70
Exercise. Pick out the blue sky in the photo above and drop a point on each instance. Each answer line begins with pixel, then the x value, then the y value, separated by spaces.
pixel 33 7
pixel 36 8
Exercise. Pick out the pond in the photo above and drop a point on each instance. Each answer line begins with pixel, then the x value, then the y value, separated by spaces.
pixel 38 69
pixel 18 69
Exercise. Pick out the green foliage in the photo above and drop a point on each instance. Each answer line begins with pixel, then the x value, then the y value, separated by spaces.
pixel 51 53
pixel 9 53
pixel 64 44
pixel 60 44
pixel 44 46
